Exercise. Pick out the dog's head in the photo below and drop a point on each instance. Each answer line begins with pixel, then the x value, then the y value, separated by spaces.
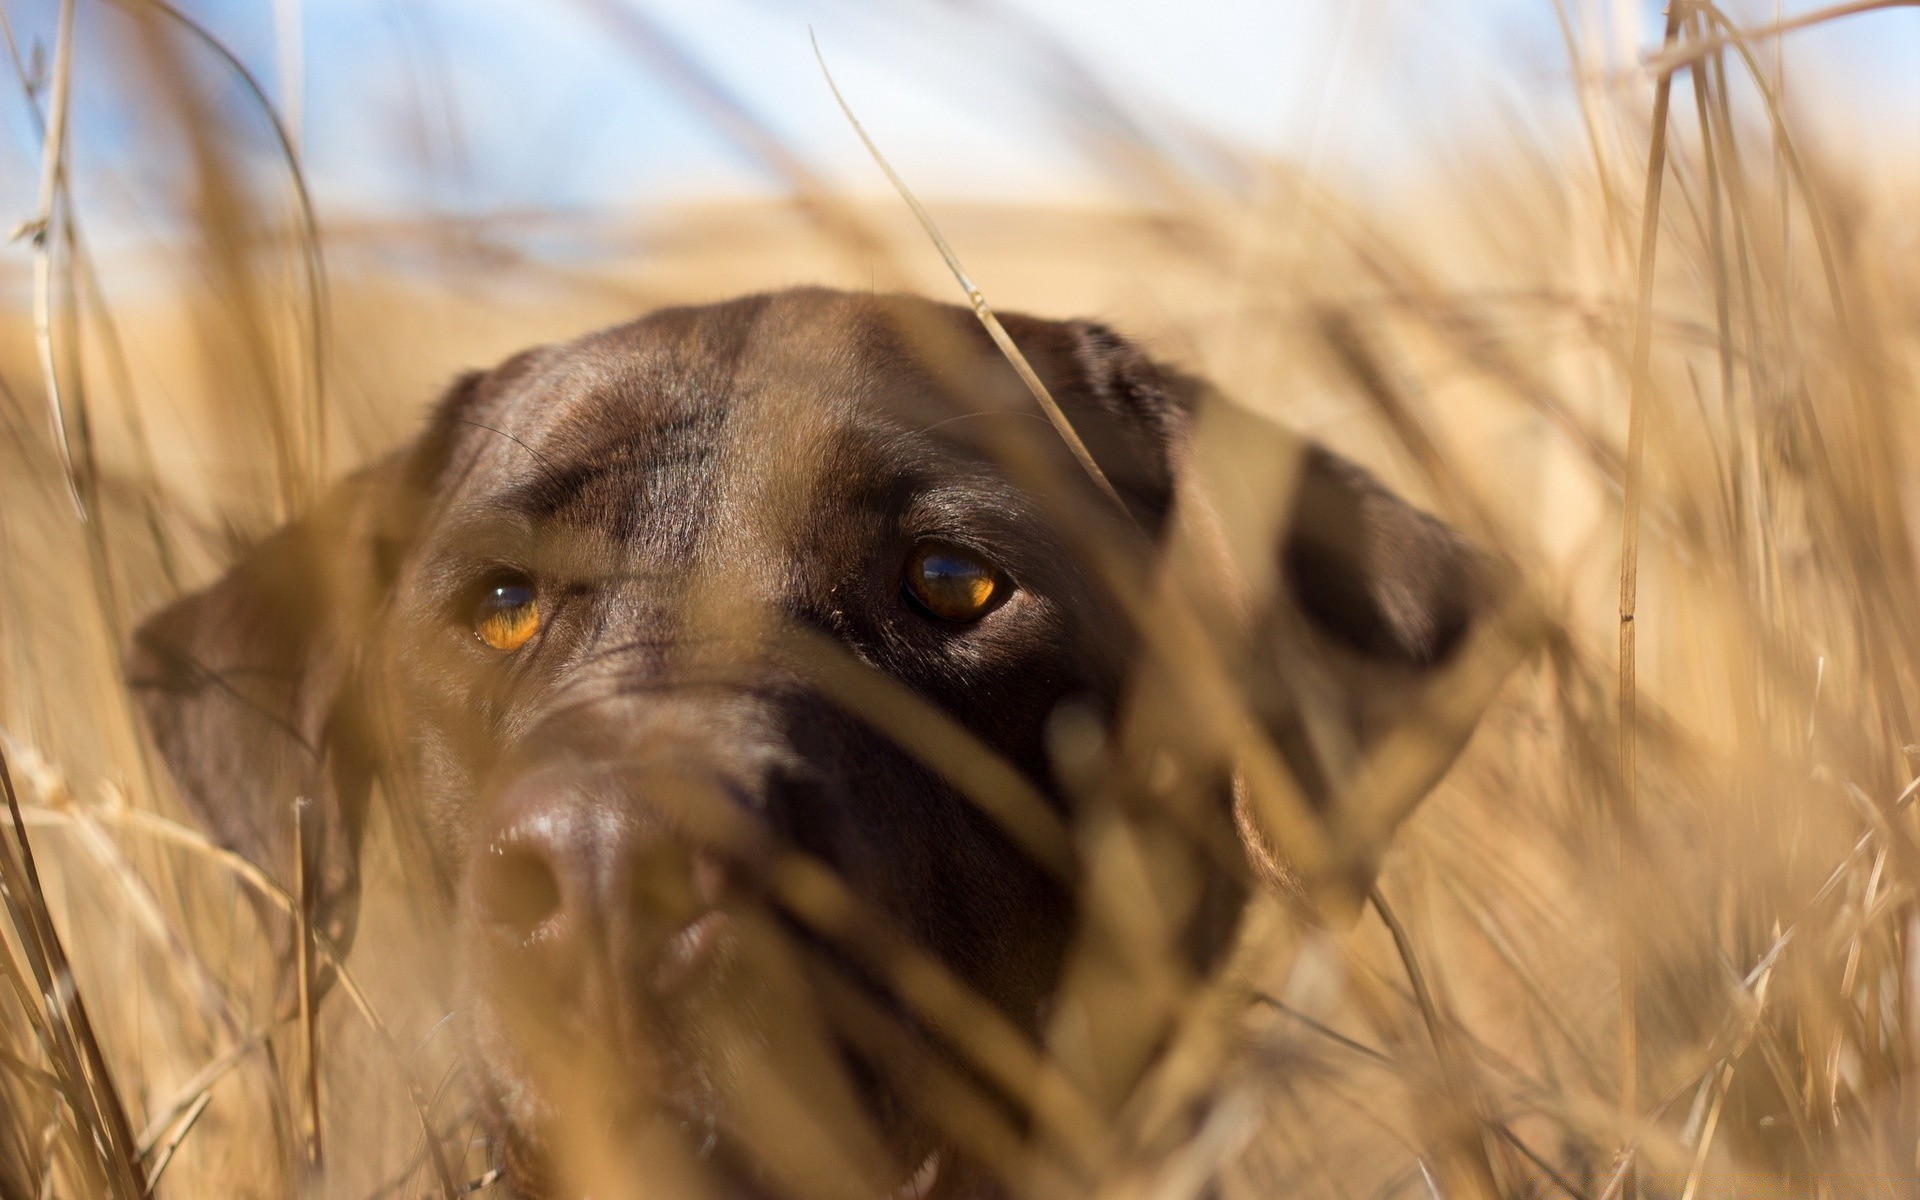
pixel 749 675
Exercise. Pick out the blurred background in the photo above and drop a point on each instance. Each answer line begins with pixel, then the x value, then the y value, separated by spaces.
pixel 491 109
pixel 1416 231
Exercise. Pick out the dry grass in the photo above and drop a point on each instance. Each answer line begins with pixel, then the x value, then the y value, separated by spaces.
pixel 1526 347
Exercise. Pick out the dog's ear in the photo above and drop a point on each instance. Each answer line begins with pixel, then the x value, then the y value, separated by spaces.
pixel 1372 600
pixel 1342 607
pixel 248 687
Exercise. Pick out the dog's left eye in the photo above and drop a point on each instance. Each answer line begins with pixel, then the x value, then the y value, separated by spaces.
pixel 952 582
pixel 507 614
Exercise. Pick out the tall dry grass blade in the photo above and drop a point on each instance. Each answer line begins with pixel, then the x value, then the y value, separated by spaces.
pixel 1639 386
pixel 246 358
pixel 76 444
pixel 307 234
pixel 1875 538
pixel 1483 1173
pixel 87 282
pixel 40 230
pixel 290 65
pixel 172 1144
pixel 102 1116
pixel 975 297
pixel 1669 60
pixel 303 984
pixel 1590 117
pixel 1734 502
pixel 194 1093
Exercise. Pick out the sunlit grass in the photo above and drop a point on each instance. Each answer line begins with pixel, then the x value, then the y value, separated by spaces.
pixel 1459 1032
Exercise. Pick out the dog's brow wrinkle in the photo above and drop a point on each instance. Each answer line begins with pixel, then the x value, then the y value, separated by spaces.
pixel 552 490
pixel 540 460
pixel 544 496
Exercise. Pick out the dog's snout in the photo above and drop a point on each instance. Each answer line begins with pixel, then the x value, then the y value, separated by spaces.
pixel 579 880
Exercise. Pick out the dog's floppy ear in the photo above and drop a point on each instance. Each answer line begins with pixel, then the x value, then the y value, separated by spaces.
pixel 1357 612
pixel 246 688
pixel 249 687
pixel 1343 607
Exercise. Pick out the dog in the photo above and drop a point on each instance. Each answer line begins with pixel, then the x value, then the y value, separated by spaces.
pixel 759 685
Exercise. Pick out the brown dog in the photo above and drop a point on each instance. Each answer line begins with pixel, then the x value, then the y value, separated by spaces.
pixel 761 680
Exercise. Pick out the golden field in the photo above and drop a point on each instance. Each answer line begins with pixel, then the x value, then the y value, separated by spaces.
pixel 1475 338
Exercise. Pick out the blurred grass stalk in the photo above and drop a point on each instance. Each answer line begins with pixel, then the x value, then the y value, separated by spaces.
pixel 1516 353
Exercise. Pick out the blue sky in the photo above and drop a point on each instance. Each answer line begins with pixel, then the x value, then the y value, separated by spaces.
pixel 481 105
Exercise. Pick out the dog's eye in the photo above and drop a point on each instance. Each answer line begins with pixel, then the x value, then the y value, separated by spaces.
pixel 952 583
pixel 507 614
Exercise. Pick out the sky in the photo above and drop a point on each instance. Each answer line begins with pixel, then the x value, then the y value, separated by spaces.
pixel 481 106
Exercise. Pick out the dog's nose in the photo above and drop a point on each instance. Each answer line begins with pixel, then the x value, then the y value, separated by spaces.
pixel 575 876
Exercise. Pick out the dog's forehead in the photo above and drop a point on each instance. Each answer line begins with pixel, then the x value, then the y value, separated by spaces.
pixel 785 389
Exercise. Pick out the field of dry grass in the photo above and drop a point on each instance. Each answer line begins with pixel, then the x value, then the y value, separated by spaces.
pixel 1695 977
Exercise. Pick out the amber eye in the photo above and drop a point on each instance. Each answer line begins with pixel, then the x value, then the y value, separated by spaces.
pixel 507 614
pixel 952 583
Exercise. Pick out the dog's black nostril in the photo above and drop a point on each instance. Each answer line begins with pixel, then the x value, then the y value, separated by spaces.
pixel 522 892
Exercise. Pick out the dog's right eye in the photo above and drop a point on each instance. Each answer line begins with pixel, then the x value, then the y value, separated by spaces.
pixel 507 614
pixel 953 583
